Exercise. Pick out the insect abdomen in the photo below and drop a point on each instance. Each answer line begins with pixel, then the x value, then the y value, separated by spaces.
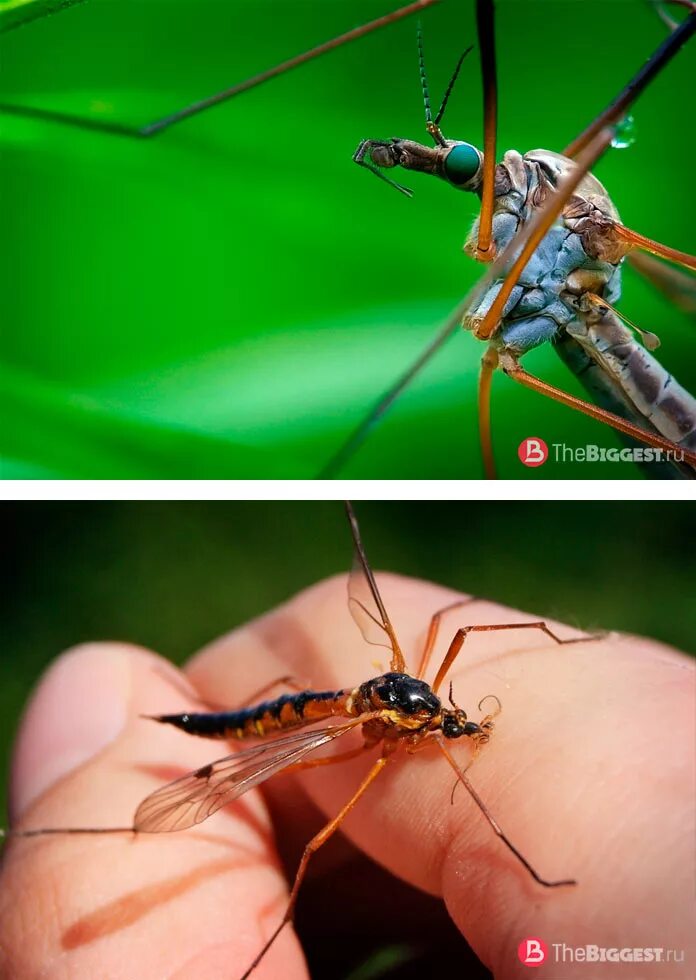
pixel 287 711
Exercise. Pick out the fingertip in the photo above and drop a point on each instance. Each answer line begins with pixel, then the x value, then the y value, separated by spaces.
pixel 81 705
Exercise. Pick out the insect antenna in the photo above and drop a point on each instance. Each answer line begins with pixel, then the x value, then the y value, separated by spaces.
pixel 450 85
pixel 431 126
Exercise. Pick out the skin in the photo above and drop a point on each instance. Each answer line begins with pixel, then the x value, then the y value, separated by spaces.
pixel 590 771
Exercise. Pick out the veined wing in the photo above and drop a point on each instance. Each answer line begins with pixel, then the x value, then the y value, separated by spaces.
pixel 193 798
pixel 365 603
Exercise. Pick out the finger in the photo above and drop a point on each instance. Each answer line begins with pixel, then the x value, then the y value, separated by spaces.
pixel 123 905
pixel 583 771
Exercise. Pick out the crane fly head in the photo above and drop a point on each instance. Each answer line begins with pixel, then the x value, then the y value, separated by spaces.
pixel 457 162
pixel 455 723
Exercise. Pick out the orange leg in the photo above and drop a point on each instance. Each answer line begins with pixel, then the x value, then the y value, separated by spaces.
pixel 486 33
pixel 632 240
pixel 461 635
pixel 362 572
pixel 313 846
pixel 328 760
pixel 433 630
pixel 513 370
pixel 461 776
pixel 309 764
pixel 287 681
pixel 489 363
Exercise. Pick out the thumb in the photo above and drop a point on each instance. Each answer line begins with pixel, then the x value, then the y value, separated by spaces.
pixel 86 904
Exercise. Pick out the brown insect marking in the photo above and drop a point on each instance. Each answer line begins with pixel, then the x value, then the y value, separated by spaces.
pixel 678 412
pixel 646 381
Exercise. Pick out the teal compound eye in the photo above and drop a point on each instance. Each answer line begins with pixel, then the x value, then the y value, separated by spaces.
pixel 462 163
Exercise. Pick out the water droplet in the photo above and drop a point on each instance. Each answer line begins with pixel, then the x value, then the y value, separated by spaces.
pixel 624 135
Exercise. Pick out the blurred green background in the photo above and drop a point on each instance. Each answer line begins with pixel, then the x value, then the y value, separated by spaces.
pixel 228 299
pixel 173 576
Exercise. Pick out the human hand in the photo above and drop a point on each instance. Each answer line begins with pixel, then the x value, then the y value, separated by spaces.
pixel 589 771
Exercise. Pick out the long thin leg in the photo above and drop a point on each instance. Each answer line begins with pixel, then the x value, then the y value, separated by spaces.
pixel 310 849
pixel 485 22
pixel 45 831
pixel 287 681
pixel 328 760
pixel 365 576
pixel 633 240
pixel 656 63
pixel 489 363
pixel 630 93
pixel 587 149
pixel 151 129
pixel 361 432
pixel 431 636
pixel 25 14
pixel 517 373
pixel 494 823
pixel 532 235
pixel 461 635
pixel 664 16
pixel 677 286
pixel 66 119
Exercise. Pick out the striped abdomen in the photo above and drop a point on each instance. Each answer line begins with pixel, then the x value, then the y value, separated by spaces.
pixel 287 711
pixel 628 380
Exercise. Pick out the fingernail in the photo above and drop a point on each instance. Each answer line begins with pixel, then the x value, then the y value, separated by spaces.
pixel 80 707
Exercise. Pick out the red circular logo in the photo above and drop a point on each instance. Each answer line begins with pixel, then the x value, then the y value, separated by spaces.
pixel 532 951
pixel 533 451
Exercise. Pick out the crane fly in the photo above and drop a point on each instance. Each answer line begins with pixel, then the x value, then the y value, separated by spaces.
pixel 554 244
pixel 394 711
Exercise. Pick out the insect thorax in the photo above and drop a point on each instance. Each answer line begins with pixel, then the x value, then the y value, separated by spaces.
pixel 569 261
pixel 403 701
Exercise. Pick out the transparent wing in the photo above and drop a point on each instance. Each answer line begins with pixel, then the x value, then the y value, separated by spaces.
pixel 365 602
pixel 193 798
